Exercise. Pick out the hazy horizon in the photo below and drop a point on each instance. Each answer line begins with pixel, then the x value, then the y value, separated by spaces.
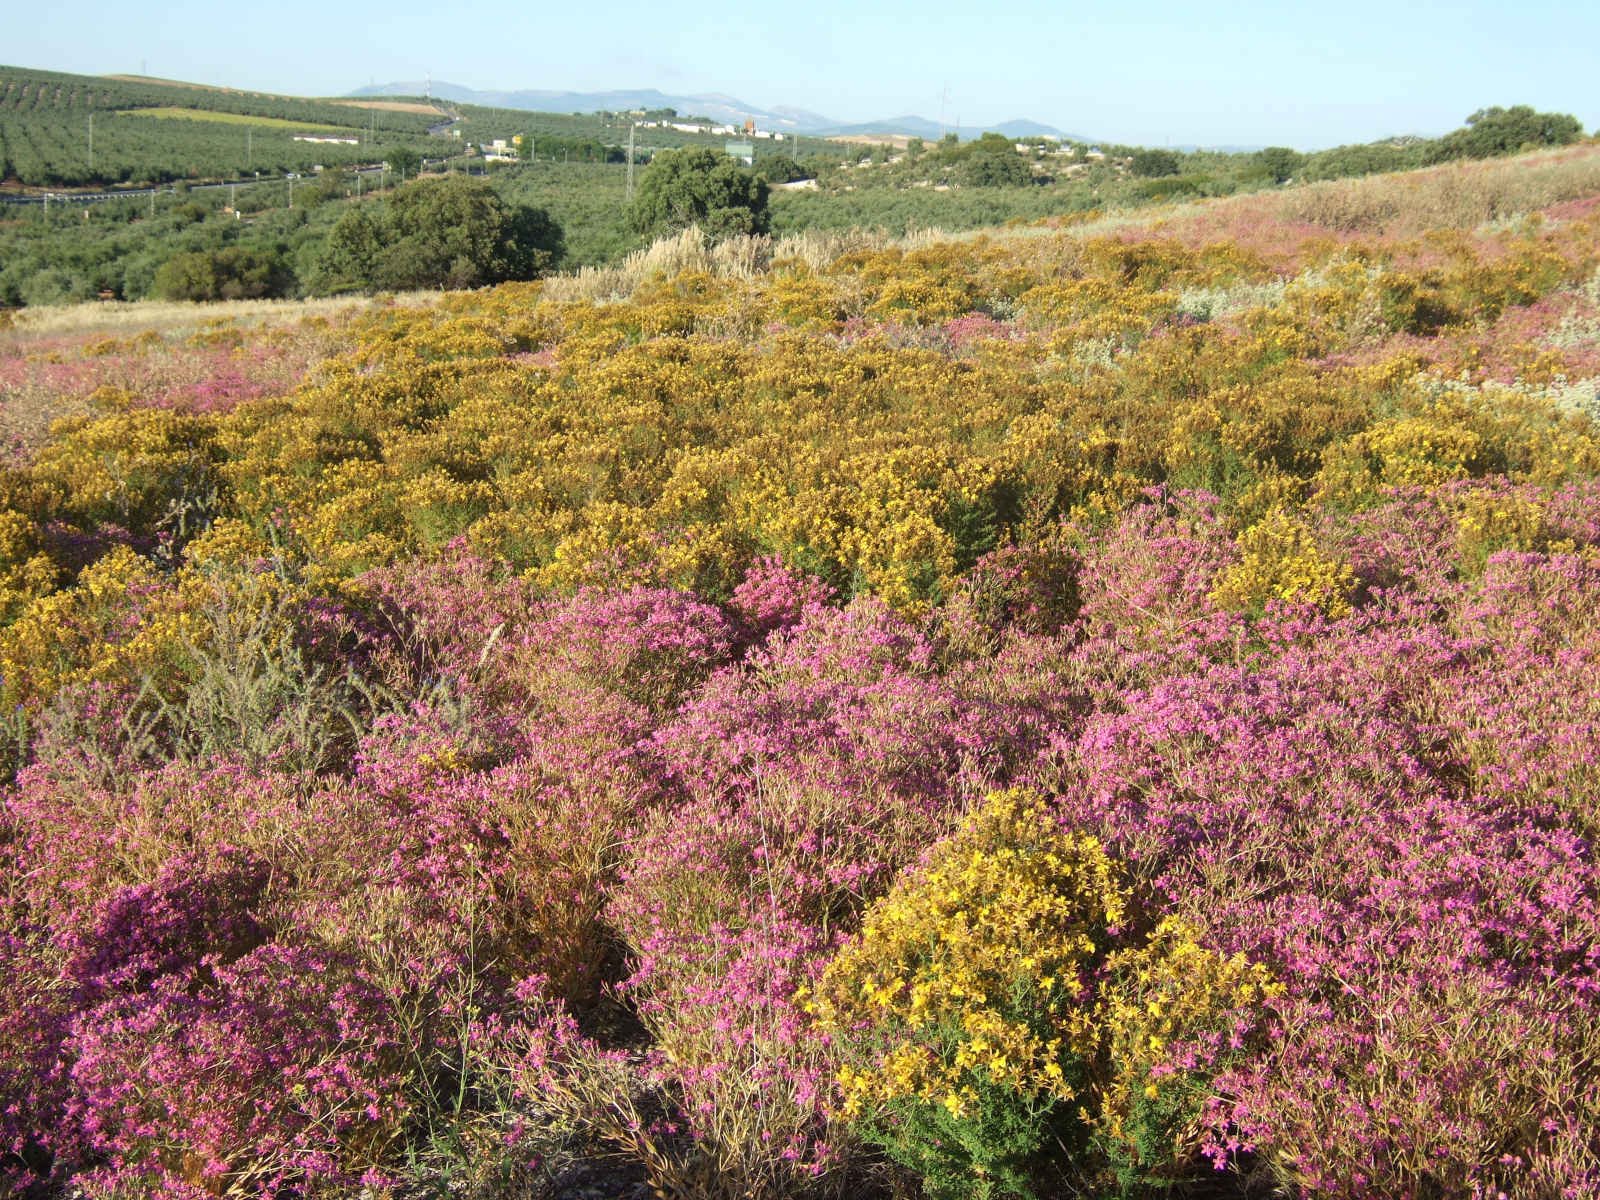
pixel 1256 74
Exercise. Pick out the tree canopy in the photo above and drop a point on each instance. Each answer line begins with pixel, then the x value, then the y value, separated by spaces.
pixel 450 232
pixel 1494 131
pixel 697 186
pixel 231 273
pixel 1280 162
pixel 1153 164
pixel 992 161
pixel 404 160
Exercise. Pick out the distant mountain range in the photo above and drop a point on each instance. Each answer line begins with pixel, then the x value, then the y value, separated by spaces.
pixel 726 109
pixel 932 131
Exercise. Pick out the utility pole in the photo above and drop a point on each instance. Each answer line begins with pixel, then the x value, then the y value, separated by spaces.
pixel 631 127
pixel 249 152
pixel 291 190
pixel 91 144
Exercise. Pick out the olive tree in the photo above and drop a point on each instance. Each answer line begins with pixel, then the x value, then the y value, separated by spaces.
pixel 447 232
pixel 697 186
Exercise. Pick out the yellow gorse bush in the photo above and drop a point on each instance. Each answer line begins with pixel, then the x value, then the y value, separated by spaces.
pixel 1280 560
pixel 92 632
pixel 968 973
pixel 1169 991
pixel 26 572
pixel 127 467
pixel 984 994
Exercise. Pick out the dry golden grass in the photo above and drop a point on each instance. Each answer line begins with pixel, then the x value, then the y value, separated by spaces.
pixel 1454 196
pixel 1404 204
pixel 899 141
pixel 691 250
pixel 118 318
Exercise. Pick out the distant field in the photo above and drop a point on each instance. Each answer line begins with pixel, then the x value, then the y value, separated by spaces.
pixel 155 81
pixel 222 118
pixel 405 106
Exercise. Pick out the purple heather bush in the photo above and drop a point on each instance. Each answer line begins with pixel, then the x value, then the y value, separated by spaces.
pixel 247 976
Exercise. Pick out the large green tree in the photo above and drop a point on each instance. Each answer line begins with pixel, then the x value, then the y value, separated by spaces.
pixel 698 186
pixel 448 232
pixel 993 161
pixel 1494 131
pixel 403 160
pixel 229 273
pixel 1279 162
pixel 1155 164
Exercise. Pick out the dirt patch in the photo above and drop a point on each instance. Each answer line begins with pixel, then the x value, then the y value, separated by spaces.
pixel 405 106
pixel 196 87
pixel 898 140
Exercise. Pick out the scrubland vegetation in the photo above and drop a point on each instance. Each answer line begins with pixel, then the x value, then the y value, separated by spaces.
pixel 1098 708
pixel 232 212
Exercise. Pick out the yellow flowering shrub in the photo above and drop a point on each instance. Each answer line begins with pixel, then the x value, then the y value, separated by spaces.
pixel 1162 262
pixel 804 300
pixel 985 1014
pixel 1423 451
pixel 128 467
pixel 26 572
pixel 1337 304
pixel 115 625
pixel 965 987
pixel 1095 308
pixel 227 542
pixel 1170 994
pixel 1280 560
pixel 1487 522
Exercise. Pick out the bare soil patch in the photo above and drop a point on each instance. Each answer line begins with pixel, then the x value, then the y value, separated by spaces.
pixel 405 106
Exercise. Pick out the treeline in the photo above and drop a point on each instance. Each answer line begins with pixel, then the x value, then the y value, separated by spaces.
pixel 119 247
pixel 554 148
pixel 995 161
pixel 450 231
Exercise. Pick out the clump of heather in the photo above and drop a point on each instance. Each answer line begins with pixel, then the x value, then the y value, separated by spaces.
pixel 267 1074
pixel 1331 806
pixel 773 597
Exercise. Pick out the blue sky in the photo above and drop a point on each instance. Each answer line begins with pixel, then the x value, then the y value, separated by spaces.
pixel 1300 74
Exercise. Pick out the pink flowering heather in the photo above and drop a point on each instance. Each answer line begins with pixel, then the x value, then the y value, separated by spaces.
pixel 261 1074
